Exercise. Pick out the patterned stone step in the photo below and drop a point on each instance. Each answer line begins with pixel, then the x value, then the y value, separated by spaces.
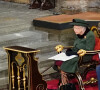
pixel 14 29
pixel 22 37
pixel 4 85
pixel 12 5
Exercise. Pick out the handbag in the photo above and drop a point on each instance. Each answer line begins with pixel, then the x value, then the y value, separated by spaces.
pixel 69 86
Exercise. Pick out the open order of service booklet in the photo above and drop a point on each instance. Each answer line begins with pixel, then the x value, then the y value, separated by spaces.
pixel 62 57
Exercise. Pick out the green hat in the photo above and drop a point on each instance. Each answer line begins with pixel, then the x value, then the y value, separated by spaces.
pixel 79 22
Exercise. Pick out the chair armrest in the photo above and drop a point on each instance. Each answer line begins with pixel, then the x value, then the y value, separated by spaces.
pixel 87 53
pixel 93 52
pixel 82 52
pixel 59 48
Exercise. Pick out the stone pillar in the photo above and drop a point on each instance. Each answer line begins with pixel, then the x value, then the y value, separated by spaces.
pixel 83 5
pixel 71 6
pixel 76 6
pixel 58 6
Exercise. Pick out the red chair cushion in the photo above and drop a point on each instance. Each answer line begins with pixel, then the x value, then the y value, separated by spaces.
pixel 97 47
pixel 91 74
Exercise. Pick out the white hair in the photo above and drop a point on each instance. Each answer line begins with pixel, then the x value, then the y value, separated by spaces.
pixel 84 28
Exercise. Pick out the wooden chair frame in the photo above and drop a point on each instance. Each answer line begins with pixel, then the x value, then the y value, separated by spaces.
pixel 89 66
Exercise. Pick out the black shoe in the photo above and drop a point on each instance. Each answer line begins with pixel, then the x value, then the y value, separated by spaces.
pixel 68 86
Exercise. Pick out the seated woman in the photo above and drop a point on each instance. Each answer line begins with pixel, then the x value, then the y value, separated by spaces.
pixel 85 40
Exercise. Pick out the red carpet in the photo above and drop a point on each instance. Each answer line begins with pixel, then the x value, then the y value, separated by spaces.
pixel 53 84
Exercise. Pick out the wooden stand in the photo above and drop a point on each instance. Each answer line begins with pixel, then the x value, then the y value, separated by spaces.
pixel 23 69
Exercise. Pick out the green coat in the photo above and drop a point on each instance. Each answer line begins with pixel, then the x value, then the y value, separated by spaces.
pixel 86 43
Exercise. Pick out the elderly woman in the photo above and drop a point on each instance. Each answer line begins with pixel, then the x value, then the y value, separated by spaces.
pixel 84 40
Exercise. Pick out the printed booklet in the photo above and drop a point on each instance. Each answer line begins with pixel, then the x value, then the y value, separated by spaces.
pixel 62 57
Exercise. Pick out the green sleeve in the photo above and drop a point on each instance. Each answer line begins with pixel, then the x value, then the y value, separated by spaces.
pixel 90 41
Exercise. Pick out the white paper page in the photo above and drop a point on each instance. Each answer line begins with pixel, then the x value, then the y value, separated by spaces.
pixel 62 57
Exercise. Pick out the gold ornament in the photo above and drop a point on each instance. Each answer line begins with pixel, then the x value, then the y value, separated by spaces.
pixel 59 48
pixel 81 52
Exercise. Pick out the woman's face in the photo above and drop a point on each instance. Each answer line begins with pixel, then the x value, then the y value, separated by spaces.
pixel 78 30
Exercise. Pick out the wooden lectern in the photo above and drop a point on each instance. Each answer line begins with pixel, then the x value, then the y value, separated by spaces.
pixel 23 69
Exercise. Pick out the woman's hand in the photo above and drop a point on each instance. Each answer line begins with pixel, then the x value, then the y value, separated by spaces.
pixel 81 52
pixel 59 48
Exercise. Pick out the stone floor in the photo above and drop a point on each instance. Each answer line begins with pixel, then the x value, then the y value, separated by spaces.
pixel 16 29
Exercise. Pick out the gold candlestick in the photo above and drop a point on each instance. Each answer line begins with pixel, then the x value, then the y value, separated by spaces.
pixel 24 79
pixel 13 76
pixel 18 77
